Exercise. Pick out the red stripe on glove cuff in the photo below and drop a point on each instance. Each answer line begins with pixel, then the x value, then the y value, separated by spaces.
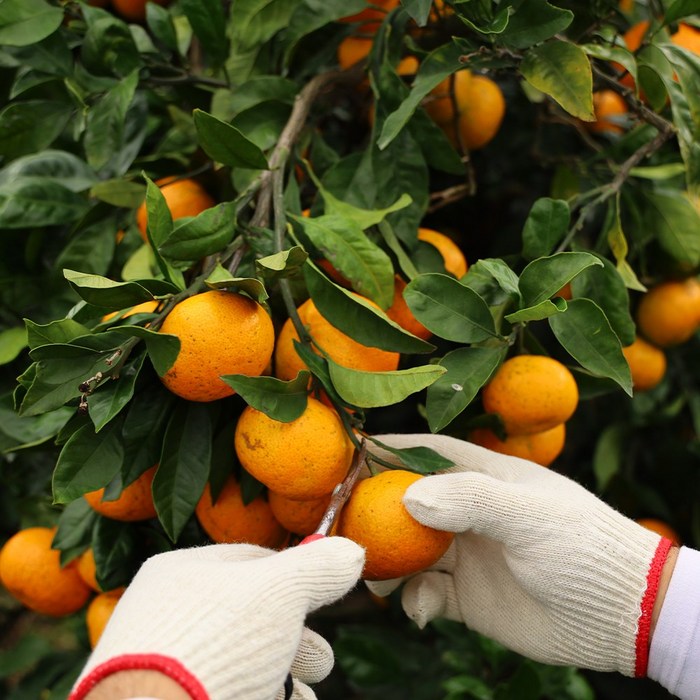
pixel 653 578
pixel 142 662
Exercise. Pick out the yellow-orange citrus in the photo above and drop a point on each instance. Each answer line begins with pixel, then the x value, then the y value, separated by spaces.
pixel 135 502
pixel 660 527
pixel 184 197
pixel 230 520
pixel 87 571
pixel 134 10
pixel 395 543
pixel 143 308
pixel 481 117
pixel 647 364
pixel 303 459
pixel 669 313
pixel 542 448
pixel 688 37
pixel 399 312
pixel 372 17
pixel 609 108
pixel 220 333
pixel 531 393
pixel 299 517
pixel 353 49
pixel 565 292
pixel 341 348
pixel 440 106
pixel 31 572
pixel 455 262
pixel 99 611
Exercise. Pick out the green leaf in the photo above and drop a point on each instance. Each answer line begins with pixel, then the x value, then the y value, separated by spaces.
pixel 221 278
pixel 162 348
pixel 161 24
pixel 25 22
pixel 547 223
pixel 609 454
pixel 119 192
pixel 676 223
pixel 282 401
pixel 468 369
pixel 658 172
pixel 534 21
pixel 184 466
pixel 615 54
pixel 108 47
pixel 68 170
pixel 422 460
pixel 12 342
pixel 286 263
pixel 496 269
pixel 374 389
pixel 348 249
pixel 35 201
pixel 537 312
pixel 159 220
pixel 205 234
pixel 562 71
pixel 88 461
pixel 75 526
pixel 20 432
pixel 679 9
pixel 358 319
pixel 226 144
pixel 543 278
pixel 419 10
pixel 618 246
pixel 585 333
pixel 496 24
pixel 449 309
pixel 116 549
pixel 61 331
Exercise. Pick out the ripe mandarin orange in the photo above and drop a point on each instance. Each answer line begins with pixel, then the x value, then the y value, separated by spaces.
pixel 481 117
pixel 542 448
pixel 669 313
pixel 395 543
pixel 371 17
pixel 688 37
pixel 353 49
pixel 220 333
pixel 134 10
pixel 455 262
pixel 609 108
pixel 299 517
pixel 86 569
pixel 230 520
pixel 401 314
pixel 660 527
pixel 531 393
pixel 340 347
pixel 303 459
pixel 143 308
pixel 440 106
pixel 134 503
pixel 647 364
pixel 99 611
pixel 31 572
pixel 184 197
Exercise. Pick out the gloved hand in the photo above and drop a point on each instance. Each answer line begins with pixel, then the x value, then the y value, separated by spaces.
pixel 540 564
pixel 229 618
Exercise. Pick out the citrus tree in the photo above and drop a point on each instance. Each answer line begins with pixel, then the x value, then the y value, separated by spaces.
pixel 241 237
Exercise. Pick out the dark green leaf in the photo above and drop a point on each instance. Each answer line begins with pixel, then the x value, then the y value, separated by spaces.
pixel 160 22
pixel 280 400
pixel 262 88
pixel 537 312
pixel 25 22
pixel 115 547
pixel 184 466
pixel 209 24
pixel 534 21
pixel 676 223
pixel 468 369
pixel 159 220
pixel 108 47
pixel 24 654
pixel 74 533
pixel 422 460
pixel 449 309
pixel 495 24
pixel 418 9
pixel 37 201
pixel 18 432
pixel 585 333
pixel 61 331
pixel 499 271
pixel 547 223
pixel 119 192
pixel 678 9
pixel 68 170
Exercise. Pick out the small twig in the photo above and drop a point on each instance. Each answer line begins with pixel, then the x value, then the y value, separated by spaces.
pixel 441 199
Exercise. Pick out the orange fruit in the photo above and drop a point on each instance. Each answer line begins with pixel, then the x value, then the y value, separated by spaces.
pixel 353 49
pixel 531 393
pixel 608 107
pixel 134 10
pixel 626 5
pixel 303 459
pixel 687 37
pixel 220 333
pixel 135 502
pixel 542 448
pixel 99 611
pixel 440 107
pixel 661 528
pixel 143 308
pixel 184 197
pixel 230 520
pixel 565 292
pixel 299 517
pixel 340 347
pixel 455 262
pixel 399 312
pixel 647 364
pixel 481 116
pixel 371 17
pixel 669 313
pixel 395 543
pixel 31 572
pixel 86 569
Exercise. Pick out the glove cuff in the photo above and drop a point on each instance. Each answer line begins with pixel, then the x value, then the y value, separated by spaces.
pixel 647 606
pixel 166 665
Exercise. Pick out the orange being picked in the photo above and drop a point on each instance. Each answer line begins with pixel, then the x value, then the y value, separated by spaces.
pixel 455 262
pixel 134 503
pixel 395 543
pixel 372 16
pixel 669 313
pixel 303 459
pixel 341 348
pixel 145 307
pixel 134 10
pixel 647 364
pixel 87 571
pixel 531 393
pixel 299 517
pixel 31 572
pixel 230 520
pixel 399 312
pixel 609 108
pixel 99 611
pixel 184 197
pixel 220 333
pixel 542 448
pixel 661 528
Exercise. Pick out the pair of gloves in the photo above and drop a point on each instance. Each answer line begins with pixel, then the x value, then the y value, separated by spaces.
pixel 538 563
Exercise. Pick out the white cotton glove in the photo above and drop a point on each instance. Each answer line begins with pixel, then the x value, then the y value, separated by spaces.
pixel 232 616
pixel 539 563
